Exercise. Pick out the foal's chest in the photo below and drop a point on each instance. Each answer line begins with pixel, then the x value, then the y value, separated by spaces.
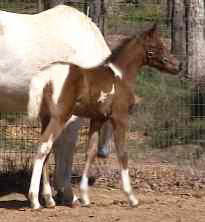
pixel 95 101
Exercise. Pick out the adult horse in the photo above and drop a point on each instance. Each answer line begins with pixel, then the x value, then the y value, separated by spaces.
pixel 30 42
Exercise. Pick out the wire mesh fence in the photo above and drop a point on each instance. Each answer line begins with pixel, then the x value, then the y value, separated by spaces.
pixel 170 116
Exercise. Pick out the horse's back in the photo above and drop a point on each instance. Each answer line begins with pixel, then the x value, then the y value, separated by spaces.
pixel 30 42
pixel 58 34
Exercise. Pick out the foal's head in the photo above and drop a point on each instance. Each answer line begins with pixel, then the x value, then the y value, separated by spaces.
pixel 156 54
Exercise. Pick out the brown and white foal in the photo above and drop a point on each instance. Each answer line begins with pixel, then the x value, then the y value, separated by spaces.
pixel 109 95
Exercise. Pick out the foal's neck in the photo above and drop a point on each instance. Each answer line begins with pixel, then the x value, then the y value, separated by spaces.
pixel 130 61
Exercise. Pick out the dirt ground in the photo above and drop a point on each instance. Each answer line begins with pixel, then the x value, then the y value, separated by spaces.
pixel 109 205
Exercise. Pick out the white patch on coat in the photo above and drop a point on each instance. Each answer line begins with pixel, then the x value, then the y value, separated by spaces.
pixel 104 95
pixel 55 73
pixel 116 70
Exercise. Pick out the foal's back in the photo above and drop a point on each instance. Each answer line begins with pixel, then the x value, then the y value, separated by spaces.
pixel 98 91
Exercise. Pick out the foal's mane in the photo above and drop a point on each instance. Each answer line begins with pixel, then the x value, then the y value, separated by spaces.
pixel 119 48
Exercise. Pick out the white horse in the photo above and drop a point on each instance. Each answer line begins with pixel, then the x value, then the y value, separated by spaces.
pixel 30 42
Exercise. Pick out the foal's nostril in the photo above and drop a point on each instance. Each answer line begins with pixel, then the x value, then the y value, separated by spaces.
pixel 180 66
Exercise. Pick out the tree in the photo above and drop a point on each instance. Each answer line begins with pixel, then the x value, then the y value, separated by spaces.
pixel 96 10
pixel 51 3
pixel 195 39
pixel 178 28
pixel 188 43
pixel 188 35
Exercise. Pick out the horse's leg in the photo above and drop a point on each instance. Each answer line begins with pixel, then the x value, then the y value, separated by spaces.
pixel 90 156
pixel 105 140
pixel 64 150
pixel 47 191
pixel 50 134
pixel 120 127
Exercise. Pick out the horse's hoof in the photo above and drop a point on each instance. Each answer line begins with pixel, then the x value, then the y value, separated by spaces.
pixel 36 208
pixel 34 203
pixel 85 205
pixel 103 152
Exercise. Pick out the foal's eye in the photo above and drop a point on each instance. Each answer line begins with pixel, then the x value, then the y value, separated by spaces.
pixel 150 53
pixel 165 60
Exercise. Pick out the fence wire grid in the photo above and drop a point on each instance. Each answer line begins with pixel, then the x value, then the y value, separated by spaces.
pixel 169 118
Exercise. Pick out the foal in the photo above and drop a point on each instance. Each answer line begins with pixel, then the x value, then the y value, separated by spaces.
pixel 109 95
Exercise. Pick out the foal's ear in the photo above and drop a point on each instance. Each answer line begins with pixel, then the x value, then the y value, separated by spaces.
pixel 153 31
pixel 155 27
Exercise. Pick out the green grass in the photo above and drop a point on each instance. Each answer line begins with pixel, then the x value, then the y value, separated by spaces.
pixel 164 114
pixel 146 12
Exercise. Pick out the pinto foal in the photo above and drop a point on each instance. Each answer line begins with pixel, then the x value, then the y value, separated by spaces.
pixel 109 95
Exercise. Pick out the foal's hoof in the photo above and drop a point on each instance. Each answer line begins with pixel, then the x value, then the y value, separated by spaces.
pixel 49 201
pixel 84 203
pixel 74 204
pixel 134 203
pixel 50 204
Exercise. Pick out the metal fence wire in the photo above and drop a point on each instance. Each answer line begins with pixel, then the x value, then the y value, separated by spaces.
pixel 170 115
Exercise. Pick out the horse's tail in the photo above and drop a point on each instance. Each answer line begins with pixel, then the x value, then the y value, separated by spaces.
pixel 37 86
pixel 56 73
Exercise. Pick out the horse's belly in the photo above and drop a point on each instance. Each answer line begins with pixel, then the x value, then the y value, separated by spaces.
pixel 14 91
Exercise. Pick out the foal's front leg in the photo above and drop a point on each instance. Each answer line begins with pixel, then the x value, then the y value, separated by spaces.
pixel 51 133
pixel 120 130
pixel 90 156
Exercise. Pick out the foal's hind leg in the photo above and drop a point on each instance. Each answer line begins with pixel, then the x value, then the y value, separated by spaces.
pixel 120 130
pixel 47 191
pixel 91 154
pixel 46 142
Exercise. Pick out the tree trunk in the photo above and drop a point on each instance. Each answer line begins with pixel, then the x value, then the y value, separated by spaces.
pixel 40 6
pixel 169 11
pixel 178 29
pixel 52 3
pixel 97 12
pixel 195 39
pixel 188 35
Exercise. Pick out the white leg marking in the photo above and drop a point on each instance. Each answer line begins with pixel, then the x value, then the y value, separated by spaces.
pixel 35 183
pixel 116 70
pixel 75 198
pixel 44 149
pixel 127 187
pixel 126 181
pixel 84 190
